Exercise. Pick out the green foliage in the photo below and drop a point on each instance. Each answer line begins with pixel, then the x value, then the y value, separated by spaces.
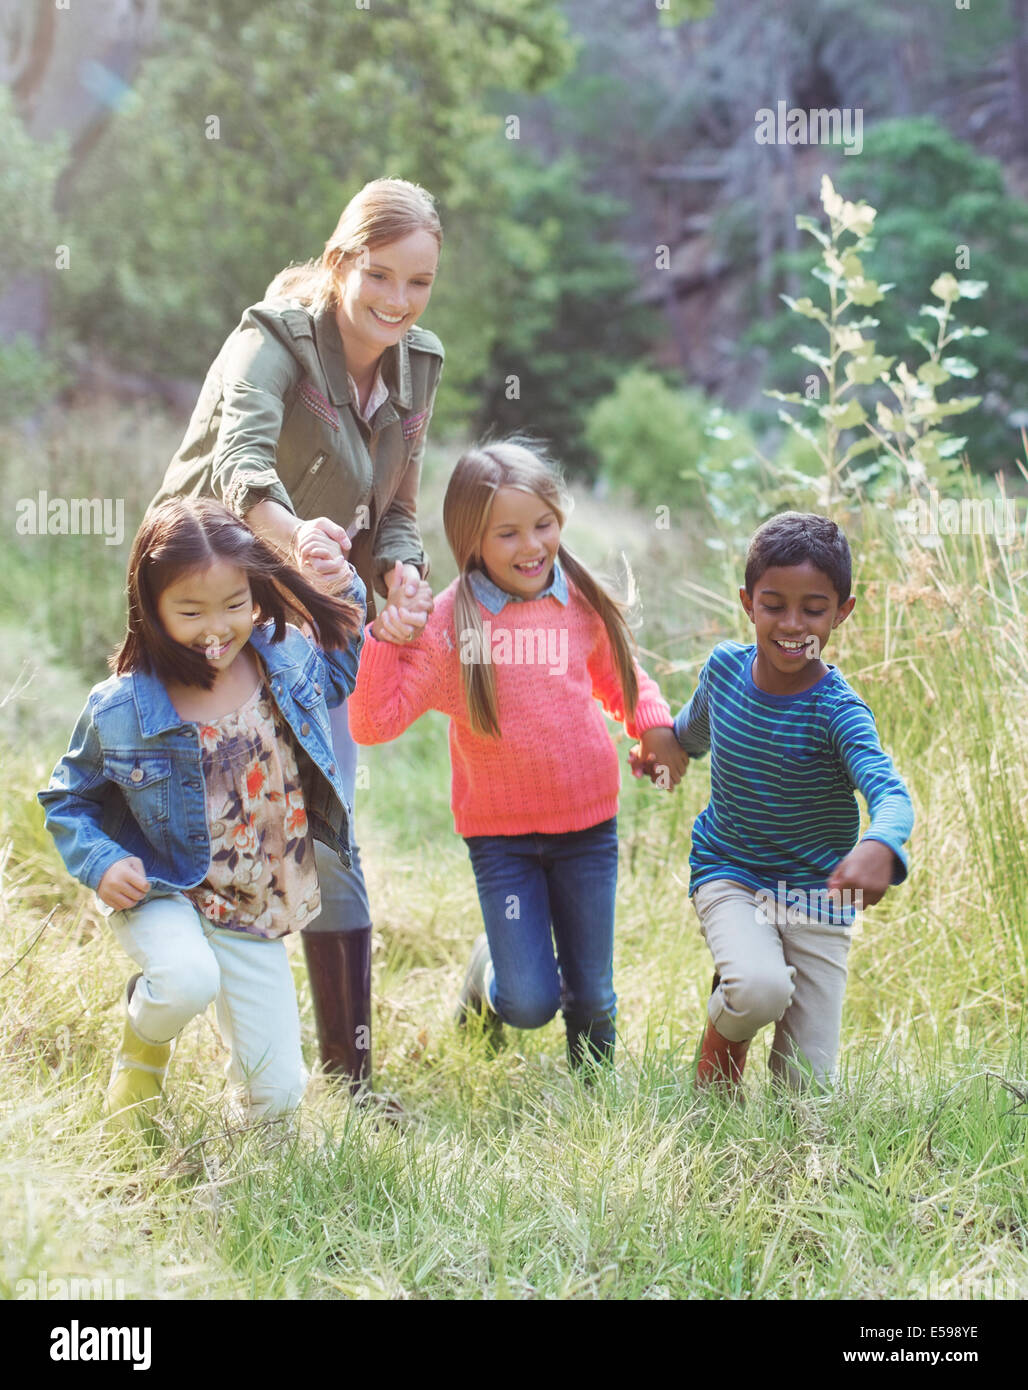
pixel 569 323
pixel 908 426
pixel 28 181
pixel 936 195
pixel 28 239
pixel 28 379
pixel 667 445
pixel 176 231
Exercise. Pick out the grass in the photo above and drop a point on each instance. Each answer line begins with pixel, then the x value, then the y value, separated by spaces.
pixel 508 1177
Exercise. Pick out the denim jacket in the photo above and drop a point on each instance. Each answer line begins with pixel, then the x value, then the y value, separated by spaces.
pixel 131 781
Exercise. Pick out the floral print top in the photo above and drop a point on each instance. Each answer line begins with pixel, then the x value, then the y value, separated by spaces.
pixel 262 878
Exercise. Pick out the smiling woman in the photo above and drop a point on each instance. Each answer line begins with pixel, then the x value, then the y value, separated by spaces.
pixel 312 425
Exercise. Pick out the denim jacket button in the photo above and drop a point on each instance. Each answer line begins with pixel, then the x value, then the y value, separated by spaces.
pixel 136 775
pixel 331 769
pixel 305 729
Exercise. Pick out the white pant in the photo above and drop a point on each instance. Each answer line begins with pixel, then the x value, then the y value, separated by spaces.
pixel 791 973
pixel 187 962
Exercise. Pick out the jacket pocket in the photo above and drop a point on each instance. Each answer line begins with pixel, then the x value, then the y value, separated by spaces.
pixel 144 780
pixel 311 484
pixel 309 694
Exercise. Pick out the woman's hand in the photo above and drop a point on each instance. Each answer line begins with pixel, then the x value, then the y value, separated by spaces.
pixel 408 590
pixel 124 884
pixel 320 545
pixel 659 756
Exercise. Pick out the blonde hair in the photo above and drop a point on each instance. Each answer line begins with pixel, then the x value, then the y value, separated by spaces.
pixel 480 472
pixel 384 211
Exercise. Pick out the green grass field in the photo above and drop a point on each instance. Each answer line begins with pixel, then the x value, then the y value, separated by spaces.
pixel 508 1177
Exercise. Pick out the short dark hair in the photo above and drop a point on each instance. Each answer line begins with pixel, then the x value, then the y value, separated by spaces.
pixel 791 538
pixel 191 533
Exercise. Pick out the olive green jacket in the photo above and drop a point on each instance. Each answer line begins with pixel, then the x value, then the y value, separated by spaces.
pixel 275 420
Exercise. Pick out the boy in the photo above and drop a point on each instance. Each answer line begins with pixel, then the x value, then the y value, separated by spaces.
pixel 775 869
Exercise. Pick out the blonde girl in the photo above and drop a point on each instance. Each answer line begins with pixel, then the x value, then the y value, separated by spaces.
pixel 521 651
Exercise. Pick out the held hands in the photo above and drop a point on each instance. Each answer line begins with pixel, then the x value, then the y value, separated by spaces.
pixel 408 603
pixel 124 884
pixel 866 870
pixel 659 756
pixel 321 546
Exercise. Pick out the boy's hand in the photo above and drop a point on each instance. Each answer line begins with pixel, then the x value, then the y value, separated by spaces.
pixel 867 869
pixel 124 884
pixel 659 756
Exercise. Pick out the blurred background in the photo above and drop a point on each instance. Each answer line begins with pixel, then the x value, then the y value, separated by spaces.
pixel 183 152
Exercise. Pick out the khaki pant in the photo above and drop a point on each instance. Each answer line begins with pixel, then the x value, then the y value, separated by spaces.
pixel 790 971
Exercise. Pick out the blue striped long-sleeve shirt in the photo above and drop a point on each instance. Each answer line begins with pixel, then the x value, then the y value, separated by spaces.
pixel 783 769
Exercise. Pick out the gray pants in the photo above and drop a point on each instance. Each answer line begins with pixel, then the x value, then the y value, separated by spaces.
pixel 344 898
pixel 790 971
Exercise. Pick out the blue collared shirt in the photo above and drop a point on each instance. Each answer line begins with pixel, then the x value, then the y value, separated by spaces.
pixel 494 598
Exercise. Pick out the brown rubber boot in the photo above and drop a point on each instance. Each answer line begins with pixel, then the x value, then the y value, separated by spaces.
pixel 339 966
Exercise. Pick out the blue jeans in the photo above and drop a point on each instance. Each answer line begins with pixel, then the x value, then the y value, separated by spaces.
pixel 530 886
pixel 344 898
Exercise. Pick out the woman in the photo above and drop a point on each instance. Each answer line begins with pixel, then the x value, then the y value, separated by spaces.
pixel 311 425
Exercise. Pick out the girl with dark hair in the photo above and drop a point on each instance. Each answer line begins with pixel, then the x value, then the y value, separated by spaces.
pixel 198 777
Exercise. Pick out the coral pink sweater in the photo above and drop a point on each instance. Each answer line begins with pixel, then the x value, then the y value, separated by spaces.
pixel 554 769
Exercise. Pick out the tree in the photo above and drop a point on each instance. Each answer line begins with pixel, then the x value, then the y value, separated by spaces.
pixel 250 128
pixel 67 67
pixel 571 321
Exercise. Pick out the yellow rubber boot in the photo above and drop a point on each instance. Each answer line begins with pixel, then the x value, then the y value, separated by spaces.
pixel 137 1082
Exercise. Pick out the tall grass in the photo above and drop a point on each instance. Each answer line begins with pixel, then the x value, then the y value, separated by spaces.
pixel 508 1178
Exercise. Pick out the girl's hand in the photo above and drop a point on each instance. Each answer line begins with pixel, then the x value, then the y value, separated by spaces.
pixel 124 884
pixel 409 601
pixel 659 756
pixel 320 545
pixel 394 625
pixel 867 870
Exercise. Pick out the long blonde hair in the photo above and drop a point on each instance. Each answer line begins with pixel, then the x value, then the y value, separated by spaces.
pixel 384 211
pixel 480 472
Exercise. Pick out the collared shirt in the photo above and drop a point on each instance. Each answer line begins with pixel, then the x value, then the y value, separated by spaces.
pixel 379 395
pixel 494 598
